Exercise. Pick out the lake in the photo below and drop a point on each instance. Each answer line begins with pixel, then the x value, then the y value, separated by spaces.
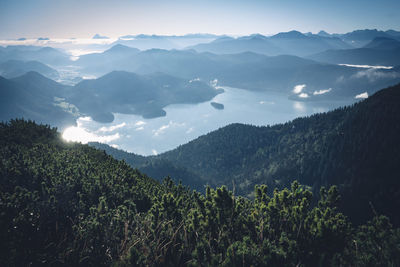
pixel 185 122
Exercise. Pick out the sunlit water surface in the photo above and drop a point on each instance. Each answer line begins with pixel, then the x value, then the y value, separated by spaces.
pixel 185 122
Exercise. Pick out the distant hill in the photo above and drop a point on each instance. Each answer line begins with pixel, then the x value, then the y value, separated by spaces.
pixel 107 58
pixel 33 96
pixel 46 55
pixel 383 43
pixel 130 93
pixel 353 147
pixel 14 68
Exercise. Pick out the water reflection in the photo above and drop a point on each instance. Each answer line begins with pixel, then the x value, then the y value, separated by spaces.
pixel 185 122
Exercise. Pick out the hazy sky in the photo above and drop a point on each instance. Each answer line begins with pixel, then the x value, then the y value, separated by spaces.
pixel 84 18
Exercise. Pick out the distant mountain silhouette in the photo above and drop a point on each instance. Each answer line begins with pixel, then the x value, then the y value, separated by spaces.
pixel 130 93
pixel 380 51
pixel 33 96
pixel 46 55
pixel 14 68
pixel 144 42
pixel 108 58
pixel 360 38
pixel 293 43
pixel 98 36
pixel 393 33
pixel 383 43
pixel 253 71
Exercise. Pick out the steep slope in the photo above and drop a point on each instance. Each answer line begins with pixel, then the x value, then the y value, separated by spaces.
pixel 355 147
pixel 64 203
pixel 157 169
pixel 72 205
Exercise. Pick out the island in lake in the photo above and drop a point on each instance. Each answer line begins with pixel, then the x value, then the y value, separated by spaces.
pixel 217 105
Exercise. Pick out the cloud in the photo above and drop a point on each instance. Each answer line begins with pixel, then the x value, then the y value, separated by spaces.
pixel 298 88
pixel 266 102
pixel 323 91
pixel 114 146
pixel 112 128
pixel 141 128
pixel 214 83
pixel 374 74
pixel 155 153
pixel 140 123
pixel 162 128
pixel 190 130
pixel 362 96
pixel 303 95
pixel 194 80
pixel 367 66
pixel 58 42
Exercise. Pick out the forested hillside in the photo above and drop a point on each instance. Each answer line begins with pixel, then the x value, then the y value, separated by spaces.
pixel 355 148
pixel 71 205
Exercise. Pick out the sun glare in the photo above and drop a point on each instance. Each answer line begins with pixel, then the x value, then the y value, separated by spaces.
pixel 76 134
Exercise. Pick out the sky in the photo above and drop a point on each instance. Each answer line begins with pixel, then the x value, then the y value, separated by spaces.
pixel 114 18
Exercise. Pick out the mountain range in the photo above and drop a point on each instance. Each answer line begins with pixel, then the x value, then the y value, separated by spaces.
pixel 291 43
pixel 381 51
pixel 33 96
pixel 250 71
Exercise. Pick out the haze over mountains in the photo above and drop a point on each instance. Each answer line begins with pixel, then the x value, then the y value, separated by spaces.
pixel 36 97
pixel 135 76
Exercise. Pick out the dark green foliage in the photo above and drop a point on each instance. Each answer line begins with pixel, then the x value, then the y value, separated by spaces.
pixel 72 205
pixel 355 148
pixel 62 203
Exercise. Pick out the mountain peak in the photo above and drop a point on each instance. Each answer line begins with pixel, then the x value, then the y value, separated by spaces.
pixel 120 48
pixel 291 34
pixel 324 34
pixel 98 36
